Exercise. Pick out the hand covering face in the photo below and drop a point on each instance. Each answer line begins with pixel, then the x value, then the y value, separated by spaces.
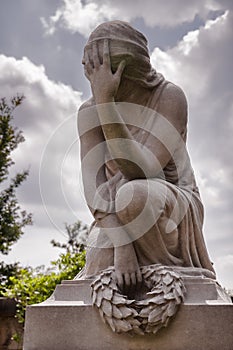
pixel 127 44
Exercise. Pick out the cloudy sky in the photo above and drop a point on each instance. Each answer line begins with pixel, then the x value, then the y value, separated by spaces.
pixel 41 45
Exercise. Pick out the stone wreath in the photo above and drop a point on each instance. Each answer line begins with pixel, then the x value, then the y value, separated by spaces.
pixel 165 293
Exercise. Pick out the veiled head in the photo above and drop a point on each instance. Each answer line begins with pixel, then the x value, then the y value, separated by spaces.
pixel 125 43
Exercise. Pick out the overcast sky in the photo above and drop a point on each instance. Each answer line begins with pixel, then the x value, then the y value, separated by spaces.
pixel 41 45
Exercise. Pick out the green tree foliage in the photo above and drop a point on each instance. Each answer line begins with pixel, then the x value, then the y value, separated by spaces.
pixel 12 218
pixel 76 238
pixel 32 286
pixel 7 270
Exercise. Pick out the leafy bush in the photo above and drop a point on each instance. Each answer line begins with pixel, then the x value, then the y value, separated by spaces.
pixel 6 271
pixel 32 286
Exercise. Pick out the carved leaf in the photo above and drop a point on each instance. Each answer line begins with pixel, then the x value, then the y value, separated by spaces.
pixel 157 300
pixel 107 293
pixel 172 308
pixel 113 285
pixel 177 296
pixel 148 273
pixel 96 284
pixel 118 299
pixel 106 280
pixel 116 312
pixel 102 315
pixel 99 298
pixel 154 291
pixel 107 307
pixel 142 303
pixel 167 289
pixel 126 312
pixel 164 316
pixel 94 296
pixel 145 311
pixel 169 296
pixel 111 323
pixel 135 322
pixel 156 328
pixel 155 315
pixel 123 326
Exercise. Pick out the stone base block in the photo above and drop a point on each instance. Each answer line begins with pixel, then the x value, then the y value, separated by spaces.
pixel 67 321
pixel 71 326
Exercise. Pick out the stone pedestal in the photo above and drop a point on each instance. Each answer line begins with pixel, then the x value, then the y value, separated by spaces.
pixel 67 321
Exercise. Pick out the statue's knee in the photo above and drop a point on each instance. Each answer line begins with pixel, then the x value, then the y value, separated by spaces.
pixel 130 200
pixel 139 196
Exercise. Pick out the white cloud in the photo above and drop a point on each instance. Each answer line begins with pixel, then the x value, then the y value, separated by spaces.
pixel 189 42
pixel 77 16
pixel 202 65
pixel 46 117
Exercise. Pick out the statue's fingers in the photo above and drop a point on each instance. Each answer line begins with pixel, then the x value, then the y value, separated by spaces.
pixel 87 75
pixel 133 278
pixel 120 69
pixel 106 54
pixel 88 66
pixel 127 279
pixel 139 276
pixel 96 60
pixel 120 280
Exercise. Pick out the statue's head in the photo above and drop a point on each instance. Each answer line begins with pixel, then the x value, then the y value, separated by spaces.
pixel 125 43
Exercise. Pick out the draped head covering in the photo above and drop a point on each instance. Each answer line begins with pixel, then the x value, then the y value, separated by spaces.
pixel 126 43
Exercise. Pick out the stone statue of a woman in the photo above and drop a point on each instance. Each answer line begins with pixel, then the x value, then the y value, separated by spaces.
pixel 146 254
pixel 138 181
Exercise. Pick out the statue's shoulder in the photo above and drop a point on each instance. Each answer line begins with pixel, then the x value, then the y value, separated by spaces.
pixel 82 119
pixel 173 92
pixel 87 104
pixel 87 117
pixel 173 105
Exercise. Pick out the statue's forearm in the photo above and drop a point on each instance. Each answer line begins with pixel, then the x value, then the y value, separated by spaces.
pixel 127 153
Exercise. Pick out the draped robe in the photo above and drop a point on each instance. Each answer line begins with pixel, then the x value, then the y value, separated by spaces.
pixel 155 245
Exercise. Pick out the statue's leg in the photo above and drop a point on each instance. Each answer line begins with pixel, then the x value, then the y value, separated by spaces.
pixel 143 213
pixel 106 234
pixel 144 208
pixel 98 259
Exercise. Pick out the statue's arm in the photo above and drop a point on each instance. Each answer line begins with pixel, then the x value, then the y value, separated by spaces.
pixel 92 149
pixel 132 160
pixel 120 143
pixel 168 128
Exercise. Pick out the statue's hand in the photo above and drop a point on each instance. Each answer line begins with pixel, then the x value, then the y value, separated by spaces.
pixel 104 83
pixel 127 270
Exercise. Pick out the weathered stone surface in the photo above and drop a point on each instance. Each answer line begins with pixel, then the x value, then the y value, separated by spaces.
pixel 76 326
pixel 62 323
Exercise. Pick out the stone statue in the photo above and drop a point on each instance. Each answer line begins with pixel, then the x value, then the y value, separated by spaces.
pixel 138 181
pixel 146 257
